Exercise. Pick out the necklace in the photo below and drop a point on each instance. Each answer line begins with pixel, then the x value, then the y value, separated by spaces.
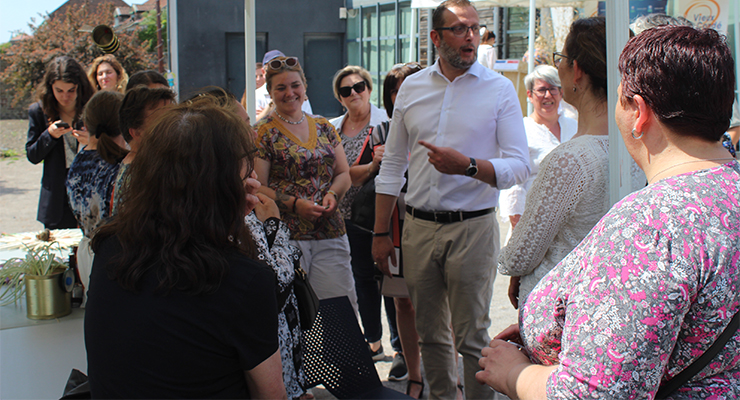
pixel 688 162
pixel 303 118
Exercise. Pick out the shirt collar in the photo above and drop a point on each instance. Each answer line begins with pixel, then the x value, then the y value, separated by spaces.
pixel 476 69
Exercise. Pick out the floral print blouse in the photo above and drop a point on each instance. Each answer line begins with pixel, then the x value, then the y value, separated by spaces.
pixel 89 187
pixel 648 290
pixel 303 170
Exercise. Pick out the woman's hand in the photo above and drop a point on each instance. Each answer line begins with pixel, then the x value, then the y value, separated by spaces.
pixel 252 185
pixel 330 204
pixel 514 291
pixel 266 208
pixel 378 156
pixel 307 209
pixel 82 136
pixel 57 132
pixel 512 334
pixel 501 365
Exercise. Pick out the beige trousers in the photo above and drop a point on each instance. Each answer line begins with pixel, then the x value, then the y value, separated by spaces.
pixel 450 269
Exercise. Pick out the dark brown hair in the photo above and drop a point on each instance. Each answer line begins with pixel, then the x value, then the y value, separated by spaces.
pixel 186 201
pixel 101 120
pixel 65 69
pixel 146 78
pixel 686 77
pixel 586 43
pixel 135 104
pixel 397 73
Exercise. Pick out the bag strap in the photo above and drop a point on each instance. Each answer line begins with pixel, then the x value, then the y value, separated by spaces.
pixel 679 380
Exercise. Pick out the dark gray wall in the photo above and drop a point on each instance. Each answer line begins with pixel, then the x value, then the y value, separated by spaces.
pixel 206 26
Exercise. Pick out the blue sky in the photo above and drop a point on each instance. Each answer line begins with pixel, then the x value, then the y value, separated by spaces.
pixel 16 14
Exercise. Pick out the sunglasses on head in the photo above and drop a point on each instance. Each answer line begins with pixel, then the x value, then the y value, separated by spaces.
pixel 287 62
pixel 345 91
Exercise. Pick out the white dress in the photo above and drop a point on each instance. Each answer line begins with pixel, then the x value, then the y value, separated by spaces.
pixel 540 142
pixel 566 200
pixel 487 55
pixel 274 250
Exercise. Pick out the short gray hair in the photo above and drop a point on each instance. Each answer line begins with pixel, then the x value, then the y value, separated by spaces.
pixel 645 22
pixel 545 73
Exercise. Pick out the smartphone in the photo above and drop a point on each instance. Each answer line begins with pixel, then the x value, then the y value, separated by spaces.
pixel 79 125
pixel 62 125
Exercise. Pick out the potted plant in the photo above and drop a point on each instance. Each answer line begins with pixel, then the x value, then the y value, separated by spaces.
pixel 45 281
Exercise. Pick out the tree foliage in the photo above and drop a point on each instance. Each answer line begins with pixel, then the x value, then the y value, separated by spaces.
pixel 25 60
pixel 148 32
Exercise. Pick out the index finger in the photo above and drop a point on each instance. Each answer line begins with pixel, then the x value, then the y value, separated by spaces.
pixel 428 145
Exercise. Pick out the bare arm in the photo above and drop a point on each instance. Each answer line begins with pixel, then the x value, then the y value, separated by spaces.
pixel 361 173
pixel 265 381
pixel 339 184
pixel 383 245
pixel 509 371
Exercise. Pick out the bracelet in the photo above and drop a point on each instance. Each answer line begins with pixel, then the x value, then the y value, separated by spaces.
pixel 295 200
pixel 333 193
pixel 381 234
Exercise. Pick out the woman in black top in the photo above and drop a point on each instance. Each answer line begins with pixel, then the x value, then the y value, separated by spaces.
pixel 54 130
pixel 177 306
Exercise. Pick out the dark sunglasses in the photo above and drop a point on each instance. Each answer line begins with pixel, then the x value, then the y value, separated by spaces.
pixel 278 64
pixel 358 87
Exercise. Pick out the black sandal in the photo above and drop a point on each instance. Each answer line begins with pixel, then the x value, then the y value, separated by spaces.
pixel 410 382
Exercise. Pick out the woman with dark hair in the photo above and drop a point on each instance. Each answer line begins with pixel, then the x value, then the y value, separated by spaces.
pixel 93 171
pixel 655 284
pixel 54 130
pixel 302 167
pixel 149 78
pixel 177 303
pixel 271 236
pixel 486 50
pixel 107 73
pixel 407 362
pixel 571 191
pixel 352 89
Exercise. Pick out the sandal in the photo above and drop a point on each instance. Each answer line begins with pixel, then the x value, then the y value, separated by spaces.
pixel 412 382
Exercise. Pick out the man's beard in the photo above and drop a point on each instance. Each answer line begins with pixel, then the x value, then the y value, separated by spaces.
pixel 453 57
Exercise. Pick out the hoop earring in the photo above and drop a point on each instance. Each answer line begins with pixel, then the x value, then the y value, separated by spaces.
pixel 637 137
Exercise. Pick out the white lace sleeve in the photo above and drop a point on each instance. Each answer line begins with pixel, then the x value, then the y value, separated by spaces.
pixel 558 187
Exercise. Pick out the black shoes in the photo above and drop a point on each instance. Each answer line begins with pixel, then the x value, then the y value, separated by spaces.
pixel 377 355
pixel 398 371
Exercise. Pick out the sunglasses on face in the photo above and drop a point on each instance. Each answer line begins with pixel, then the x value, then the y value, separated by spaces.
pixel 278 64
pixel 358 87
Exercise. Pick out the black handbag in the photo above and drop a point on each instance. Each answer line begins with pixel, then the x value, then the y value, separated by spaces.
pixel 308 302
pixel 363 206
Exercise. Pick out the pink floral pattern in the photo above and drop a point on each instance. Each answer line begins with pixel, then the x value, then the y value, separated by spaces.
pixel 648 290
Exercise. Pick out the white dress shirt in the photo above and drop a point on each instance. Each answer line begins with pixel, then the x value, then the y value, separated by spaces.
pixel 477 114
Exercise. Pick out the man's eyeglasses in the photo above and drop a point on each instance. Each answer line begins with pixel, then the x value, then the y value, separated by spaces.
pixel 461 30
pixel 557 58
pixel 346 91
pixel 277 64
pixel 542 92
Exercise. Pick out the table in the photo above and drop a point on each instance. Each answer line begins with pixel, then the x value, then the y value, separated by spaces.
pixel 36 356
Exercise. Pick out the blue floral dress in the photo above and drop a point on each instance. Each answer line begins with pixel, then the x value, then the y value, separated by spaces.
pixel 89 187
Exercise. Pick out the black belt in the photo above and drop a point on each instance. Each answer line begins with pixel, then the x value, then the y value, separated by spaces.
pixel 446 217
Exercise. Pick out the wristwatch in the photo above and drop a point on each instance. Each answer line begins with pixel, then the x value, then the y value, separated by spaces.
pixel 472 169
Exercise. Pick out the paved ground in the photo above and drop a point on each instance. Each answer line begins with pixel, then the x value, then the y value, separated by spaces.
pixel 19 191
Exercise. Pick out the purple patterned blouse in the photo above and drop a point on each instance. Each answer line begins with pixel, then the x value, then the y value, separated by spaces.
pixel 648 290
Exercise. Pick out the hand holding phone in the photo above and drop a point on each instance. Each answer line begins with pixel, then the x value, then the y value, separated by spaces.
pixel 62 125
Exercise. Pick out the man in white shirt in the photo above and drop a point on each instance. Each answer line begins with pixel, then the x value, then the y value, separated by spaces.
pixel 458 128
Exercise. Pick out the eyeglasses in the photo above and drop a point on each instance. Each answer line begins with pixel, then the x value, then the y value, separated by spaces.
pixel 557 58
pixel 358 87
pixel 542 92
pixel 277 64
pixel 411 65
pixel 461 30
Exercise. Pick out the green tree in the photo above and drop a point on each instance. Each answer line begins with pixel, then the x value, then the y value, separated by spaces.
pixel 25 60
pixel 148 32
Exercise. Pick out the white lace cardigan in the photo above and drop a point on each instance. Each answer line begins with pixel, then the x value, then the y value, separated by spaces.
pixel 568 197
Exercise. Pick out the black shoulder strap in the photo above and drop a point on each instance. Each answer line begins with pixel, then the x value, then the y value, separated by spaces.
pixel 679 380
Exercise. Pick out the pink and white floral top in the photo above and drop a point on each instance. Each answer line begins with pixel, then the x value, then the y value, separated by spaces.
pixel 648 290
